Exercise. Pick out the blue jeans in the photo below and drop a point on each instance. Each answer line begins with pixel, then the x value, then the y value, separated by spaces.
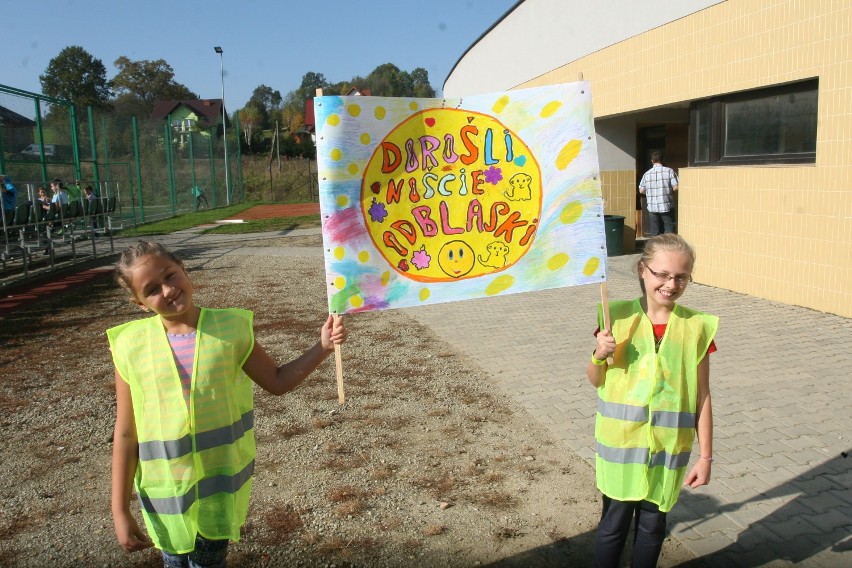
pixel 207 554
pixel 649 531
pixel 655 220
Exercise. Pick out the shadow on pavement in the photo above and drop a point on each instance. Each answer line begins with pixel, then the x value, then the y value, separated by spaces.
pixel 817 518
pixel 814 520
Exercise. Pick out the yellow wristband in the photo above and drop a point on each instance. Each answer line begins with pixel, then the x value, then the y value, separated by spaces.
pixel 598 362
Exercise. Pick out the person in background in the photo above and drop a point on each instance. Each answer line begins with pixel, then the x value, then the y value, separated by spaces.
pixel 60 196
pixel 10 198
pixel 60 199
pixel 659 185
pixel 42 203
pixel 198 193
pixel 91 205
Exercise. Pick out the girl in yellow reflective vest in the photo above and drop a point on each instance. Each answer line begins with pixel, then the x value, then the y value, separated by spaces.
pixel 654 395
pixel 184 429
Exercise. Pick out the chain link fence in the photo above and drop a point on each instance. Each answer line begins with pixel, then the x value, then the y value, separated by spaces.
pixel 154 168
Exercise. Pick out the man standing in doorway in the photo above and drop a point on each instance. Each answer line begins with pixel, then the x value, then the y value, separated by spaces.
pixel 658 185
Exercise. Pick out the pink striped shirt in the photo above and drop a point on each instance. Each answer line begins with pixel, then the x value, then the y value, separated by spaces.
pixel 183 348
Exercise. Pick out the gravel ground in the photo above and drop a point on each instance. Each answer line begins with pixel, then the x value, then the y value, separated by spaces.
pixel 425 465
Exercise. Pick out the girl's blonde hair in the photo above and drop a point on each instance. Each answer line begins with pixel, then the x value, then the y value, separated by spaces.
pixel 131 256
pixel 667 242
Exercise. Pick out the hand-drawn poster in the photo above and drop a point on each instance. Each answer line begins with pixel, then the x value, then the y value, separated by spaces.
pixel 438 200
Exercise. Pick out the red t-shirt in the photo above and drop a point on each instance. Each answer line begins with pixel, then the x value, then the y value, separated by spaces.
pixel 660 331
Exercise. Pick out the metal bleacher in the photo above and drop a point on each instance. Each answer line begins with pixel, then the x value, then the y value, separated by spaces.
pixel 35 240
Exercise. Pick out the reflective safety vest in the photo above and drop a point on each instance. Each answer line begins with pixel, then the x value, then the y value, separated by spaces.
pixel 646 418
pixel 196 460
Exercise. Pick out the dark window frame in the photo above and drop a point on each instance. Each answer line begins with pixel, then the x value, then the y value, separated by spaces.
pixel 716 137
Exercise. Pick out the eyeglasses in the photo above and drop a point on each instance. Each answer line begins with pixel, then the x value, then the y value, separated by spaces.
pixel 663 277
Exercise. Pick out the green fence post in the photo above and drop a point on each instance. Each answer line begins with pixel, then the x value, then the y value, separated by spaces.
pixel 192 159
pixel 94 145
pixel 105 138
pixel 75 141
pixel 212 138
pixel 2 151
pixel 138 171
pixel 40 131
pixel 239 158
pixel 170 163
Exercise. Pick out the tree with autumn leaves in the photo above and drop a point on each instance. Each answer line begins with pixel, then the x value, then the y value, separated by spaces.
pixel 79 77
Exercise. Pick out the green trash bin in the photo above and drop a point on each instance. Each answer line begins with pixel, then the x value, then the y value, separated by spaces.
pixel 614 228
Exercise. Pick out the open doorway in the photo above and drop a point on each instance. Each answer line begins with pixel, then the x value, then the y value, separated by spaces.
pixel 671 139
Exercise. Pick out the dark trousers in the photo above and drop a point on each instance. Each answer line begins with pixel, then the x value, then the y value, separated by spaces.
pixel 649 531
pixel 207 554
pixel 661 222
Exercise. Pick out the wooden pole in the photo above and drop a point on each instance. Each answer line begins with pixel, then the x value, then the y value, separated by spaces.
pixel 338 356
pixel 605 310
pixel 338 368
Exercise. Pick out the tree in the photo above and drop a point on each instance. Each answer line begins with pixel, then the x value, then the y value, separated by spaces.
pixel 291 117
pixel 250 120
pixel 420 80
pixel 78 77
pixel 266 99
pixel 310 83
pixel 264 104
pixel 340 88
pixel 149 81
pixel 388 80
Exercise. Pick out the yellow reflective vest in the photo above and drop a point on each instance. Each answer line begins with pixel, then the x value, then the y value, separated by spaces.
pixel 196 460
pixel 646 418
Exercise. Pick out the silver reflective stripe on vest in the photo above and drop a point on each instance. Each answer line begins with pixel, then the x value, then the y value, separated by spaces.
pixel 225 434
pixel 620 411
pixel 670 419
pixel 168 505
pixel 170 449
pixel 225 483
pixel 670 461
pixel 641 455
pixel 623 455
pixel 206 487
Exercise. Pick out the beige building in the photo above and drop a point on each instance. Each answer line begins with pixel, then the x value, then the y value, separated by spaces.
pixel 750 100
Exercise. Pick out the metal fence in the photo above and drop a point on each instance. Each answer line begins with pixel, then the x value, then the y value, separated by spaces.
pixel 150 167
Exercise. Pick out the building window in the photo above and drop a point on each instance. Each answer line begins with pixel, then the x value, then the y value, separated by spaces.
pixel 776 125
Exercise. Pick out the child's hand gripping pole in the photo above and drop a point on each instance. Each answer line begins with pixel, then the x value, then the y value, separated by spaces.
pixel 605 310
pixel 338 360
pixel 338 365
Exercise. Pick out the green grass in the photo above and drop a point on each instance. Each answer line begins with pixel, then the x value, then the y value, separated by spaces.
pixel 208 216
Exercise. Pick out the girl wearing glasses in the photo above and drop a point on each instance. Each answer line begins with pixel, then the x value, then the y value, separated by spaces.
pixel 654 396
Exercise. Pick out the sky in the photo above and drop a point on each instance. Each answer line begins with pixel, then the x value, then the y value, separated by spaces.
pixel 264 42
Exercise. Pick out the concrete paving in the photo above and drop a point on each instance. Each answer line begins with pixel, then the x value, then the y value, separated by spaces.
pixel 781 491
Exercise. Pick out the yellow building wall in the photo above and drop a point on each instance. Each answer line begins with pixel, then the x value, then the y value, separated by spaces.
pixel 619 196
pixel 778 232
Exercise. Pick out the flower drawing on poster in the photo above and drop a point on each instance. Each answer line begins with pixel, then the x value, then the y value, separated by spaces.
pixel 433 200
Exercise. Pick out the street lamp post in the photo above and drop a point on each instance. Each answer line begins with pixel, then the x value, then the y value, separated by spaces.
pixel 218 50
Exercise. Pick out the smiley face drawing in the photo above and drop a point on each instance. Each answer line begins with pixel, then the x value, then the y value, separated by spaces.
pixel 456 259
